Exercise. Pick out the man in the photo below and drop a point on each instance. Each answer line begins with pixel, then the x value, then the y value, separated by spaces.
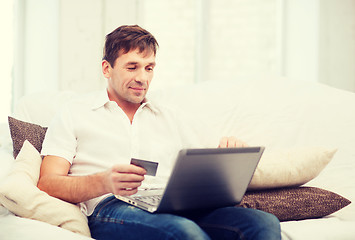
pixel 90 142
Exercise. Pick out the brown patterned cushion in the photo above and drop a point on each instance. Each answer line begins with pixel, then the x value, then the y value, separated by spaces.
pixel 295 203
pixel 20 131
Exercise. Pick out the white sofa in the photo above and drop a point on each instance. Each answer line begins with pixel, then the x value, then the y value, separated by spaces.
pixel 278 114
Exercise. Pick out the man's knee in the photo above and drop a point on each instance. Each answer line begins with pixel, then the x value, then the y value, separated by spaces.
pixel 242 222
pixel 265 226
pixel 182 228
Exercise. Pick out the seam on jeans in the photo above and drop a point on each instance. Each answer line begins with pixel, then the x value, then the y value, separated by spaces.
pixel 117 221
pixel 232 229
pixel 109 220
pixel 104 205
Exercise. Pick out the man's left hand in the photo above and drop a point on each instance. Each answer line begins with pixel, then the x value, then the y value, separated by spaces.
pixel 231 142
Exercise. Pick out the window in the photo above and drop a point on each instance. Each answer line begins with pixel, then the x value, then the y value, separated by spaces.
pixel 6 57
pixel 205 40
pixel 242 38
pixel 175 30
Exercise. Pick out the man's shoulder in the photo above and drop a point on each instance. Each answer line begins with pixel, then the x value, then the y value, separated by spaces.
pixel 160 107
pixel 169 111
pixel 80 104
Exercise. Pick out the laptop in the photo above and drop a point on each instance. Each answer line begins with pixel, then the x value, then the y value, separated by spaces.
pixel 202 179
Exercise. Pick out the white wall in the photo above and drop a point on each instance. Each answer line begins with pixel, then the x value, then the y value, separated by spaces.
pixel 60 42
pixel 337 43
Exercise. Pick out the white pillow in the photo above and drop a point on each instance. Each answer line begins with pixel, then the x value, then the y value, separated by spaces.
pixel 290 168
pixel 19 194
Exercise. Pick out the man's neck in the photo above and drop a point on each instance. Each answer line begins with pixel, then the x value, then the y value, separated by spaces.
pixel 128 108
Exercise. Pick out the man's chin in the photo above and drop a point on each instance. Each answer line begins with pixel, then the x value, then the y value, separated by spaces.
pixel 137 100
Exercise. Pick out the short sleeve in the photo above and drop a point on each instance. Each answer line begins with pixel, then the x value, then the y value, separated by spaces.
pixel 60 139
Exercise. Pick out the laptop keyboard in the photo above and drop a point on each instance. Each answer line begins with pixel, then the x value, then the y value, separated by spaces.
pixel 150 200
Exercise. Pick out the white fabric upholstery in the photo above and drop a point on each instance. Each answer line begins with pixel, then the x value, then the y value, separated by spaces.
pixel 273 113
pixel 40 108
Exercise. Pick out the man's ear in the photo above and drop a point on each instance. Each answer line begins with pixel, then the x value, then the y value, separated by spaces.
pixel 106 68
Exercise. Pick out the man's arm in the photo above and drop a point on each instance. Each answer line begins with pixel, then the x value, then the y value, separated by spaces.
pixel 54 180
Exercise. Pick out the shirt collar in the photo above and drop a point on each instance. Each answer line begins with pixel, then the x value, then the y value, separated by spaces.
pixel 101 99
pixel 150 105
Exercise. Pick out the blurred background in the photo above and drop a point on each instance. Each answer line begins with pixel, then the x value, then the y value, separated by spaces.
pixel 57 44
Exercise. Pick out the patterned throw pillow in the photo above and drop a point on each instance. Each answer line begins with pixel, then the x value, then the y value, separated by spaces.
pixel 295 203
pixel 21 131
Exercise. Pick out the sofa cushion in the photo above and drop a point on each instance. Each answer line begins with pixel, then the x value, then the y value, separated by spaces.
pixel 19 194
pixel 295 203
pixel 21 131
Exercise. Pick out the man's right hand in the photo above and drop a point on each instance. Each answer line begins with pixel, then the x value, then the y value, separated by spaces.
pixel 124 180
pixel 119 180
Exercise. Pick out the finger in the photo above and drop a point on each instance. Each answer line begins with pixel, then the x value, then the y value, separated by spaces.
pixel 241 144
pixel 125 168
pixel 127 185
pixel 126 177
pixel 228 142
pixel 126 191
pixel 232 142
pixel 223 143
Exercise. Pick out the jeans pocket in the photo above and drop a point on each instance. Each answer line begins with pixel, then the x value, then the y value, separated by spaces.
pixel 101 206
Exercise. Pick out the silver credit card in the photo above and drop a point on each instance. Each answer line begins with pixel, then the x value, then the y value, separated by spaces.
pixel 150 167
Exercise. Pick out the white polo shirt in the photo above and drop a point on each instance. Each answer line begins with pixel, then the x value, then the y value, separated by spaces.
pixel 93 134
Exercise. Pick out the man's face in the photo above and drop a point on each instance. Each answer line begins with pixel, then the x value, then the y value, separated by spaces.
pixel 130 77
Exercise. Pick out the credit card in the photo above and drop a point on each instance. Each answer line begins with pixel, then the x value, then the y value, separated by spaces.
pixel 150 167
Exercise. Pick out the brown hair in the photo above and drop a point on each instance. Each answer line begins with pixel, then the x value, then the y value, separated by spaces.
pixel 126 38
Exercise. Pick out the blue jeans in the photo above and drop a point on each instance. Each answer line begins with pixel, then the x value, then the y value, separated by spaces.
pixel 114 219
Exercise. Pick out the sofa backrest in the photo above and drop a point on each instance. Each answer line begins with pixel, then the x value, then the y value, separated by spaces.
pixel 280 113
pixel 40 108
pixel 273 113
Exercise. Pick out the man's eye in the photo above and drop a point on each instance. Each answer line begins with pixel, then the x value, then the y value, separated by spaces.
pixel 131 68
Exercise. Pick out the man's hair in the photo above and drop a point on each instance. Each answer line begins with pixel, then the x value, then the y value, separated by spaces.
pixel 126 38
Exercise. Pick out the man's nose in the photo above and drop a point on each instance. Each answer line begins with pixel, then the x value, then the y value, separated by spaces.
pixel 142 76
